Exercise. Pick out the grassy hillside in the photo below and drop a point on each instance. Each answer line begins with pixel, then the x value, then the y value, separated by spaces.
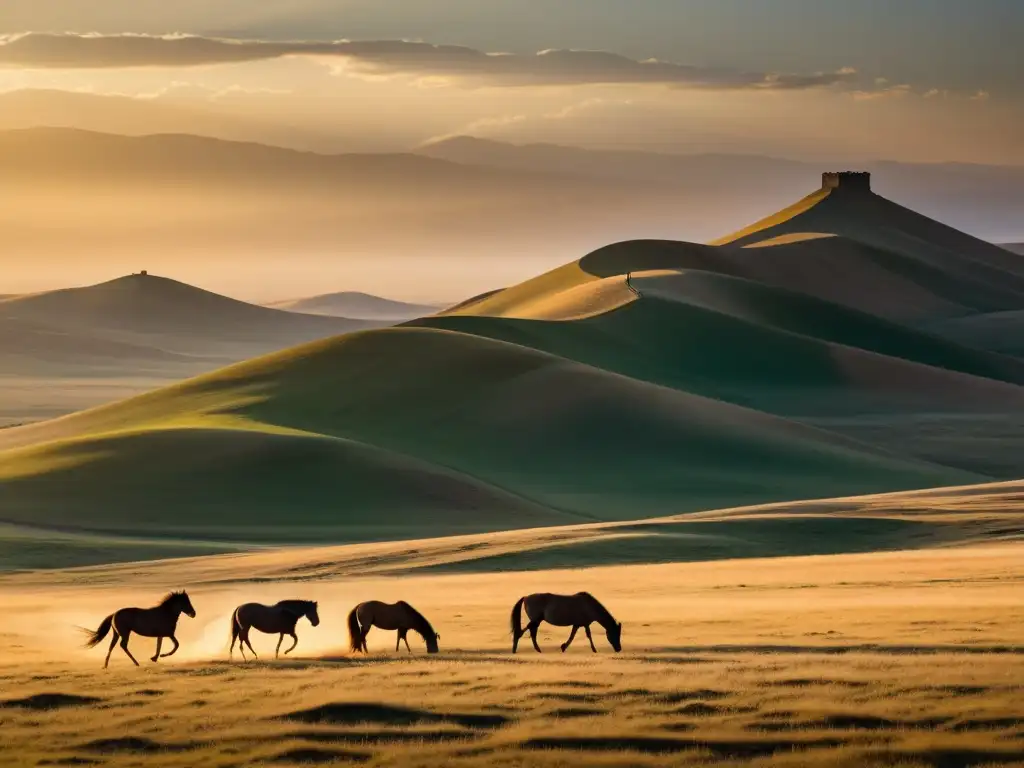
pixel 882 224
pixel 168 313
pixel 648 378
pixel 747 343
pixel 400 431
pixel 133 333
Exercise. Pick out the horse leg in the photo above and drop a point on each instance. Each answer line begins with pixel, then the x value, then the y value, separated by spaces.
pixel 532 627
pixel 295 641
pixel 124 647
pixel 362 637
pixel 568 642
pixel 277 651
pixel 590 638
pixel 405 639
pixel 159 642
pixel 247 641
pixel 113 642
pixel 171 652
pixel 398 640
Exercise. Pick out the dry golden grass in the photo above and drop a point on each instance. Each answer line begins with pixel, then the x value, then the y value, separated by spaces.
pixel 903 658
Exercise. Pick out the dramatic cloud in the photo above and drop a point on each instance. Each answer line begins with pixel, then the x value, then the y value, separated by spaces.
pixel 382 57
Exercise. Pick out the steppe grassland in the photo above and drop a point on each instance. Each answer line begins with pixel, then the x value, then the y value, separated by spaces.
pixel 904 658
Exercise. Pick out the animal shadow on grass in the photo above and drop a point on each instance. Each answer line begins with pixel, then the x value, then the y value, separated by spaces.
pixel 355 713
pixel 48 701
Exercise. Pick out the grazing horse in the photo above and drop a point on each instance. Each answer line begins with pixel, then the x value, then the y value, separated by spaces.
pixel 158 622
pixel 280 617
pixel 579 610
pixel 400 616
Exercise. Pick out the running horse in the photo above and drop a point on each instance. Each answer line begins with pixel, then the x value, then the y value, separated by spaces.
pixel 278 618
pixel 579 610
pixel 158 622
pixel 400 616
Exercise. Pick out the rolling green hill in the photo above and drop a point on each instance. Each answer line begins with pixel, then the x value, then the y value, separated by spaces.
pixel 413 430
pixel 755 345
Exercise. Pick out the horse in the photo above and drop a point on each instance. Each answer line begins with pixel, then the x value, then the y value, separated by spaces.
pixel 158 622
pixel 400 616
pixel 579 610
pixel 280 617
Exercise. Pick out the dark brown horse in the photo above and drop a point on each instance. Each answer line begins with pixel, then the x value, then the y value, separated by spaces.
pixel 579 610
pixel 400 616
pixel 280 617
pixel 158 622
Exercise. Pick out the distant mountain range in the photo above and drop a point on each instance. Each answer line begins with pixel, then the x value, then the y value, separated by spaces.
pixel 177 196
pixel 209 205
pixel 1015 247
pixel 356 305
pixel 982 199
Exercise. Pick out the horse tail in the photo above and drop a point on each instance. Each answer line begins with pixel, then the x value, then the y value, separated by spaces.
pixel 517 619
pixel 234 628
pixel 355 635
pixel 95 638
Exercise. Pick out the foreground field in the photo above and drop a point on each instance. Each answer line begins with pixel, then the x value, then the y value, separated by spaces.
pixel 901 658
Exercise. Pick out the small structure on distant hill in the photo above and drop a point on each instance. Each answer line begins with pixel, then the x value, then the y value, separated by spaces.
pixel 859 180
pixel 143 273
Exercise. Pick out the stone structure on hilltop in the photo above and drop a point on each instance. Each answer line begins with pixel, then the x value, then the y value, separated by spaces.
pixel 860 180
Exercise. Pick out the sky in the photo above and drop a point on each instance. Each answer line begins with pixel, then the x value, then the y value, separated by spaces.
pixel 924 80
pixel 834 82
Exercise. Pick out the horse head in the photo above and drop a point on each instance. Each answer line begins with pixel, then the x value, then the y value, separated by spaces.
pixel 183 604
pixel 312 615
pixel 615 636
pixel 432 639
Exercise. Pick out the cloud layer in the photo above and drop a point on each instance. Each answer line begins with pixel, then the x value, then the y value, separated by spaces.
pixel 551 67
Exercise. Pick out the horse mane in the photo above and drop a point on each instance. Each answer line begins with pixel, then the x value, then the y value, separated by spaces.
pixel 297 607
pixel 604 616
pixel 420 623
pixel 170 597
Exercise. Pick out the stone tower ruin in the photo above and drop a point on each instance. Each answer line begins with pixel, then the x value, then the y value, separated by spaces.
pixel 847 180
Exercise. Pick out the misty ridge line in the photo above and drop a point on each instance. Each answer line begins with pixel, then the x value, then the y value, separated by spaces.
pixel 469 156
pixel 546 185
